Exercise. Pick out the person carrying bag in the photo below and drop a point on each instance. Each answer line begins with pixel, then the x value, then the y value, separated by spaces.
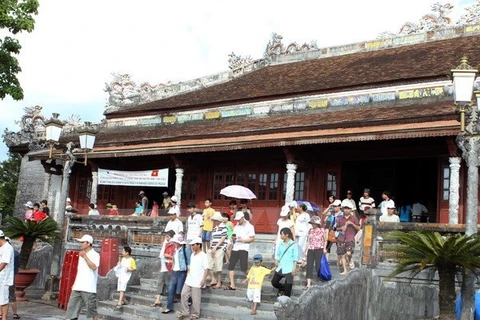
pixel 286 262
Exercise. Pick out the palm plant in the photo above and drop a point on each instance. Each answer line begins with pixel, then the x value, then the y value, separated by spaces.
pixel 45 230
pixel 420 250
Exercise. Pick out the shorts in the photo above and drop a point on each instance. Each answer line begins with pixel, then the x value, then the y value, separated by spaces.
pixel 241 255
pixel 11 294
pixel 206 236
pixel 163 282
pixel 344 247
pixel 215 263
pixel 4 295
pixel 254 295
pixel 122 285
pixel 79 299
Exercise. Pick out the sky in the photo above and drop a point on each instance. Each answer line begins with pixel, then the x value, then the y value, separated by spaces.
pixel 77 45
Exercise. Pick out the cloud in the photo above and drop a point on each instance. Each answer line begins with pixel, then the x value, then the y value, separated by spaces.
pixel 76 45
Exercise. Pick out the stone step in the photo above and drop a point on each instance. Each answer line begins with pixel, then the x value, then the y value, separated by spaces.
pixel 208 311
pixel 207 299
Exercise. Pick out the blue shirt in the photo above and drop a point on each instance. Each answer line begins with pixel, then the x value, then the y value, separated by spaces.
pixel 287 260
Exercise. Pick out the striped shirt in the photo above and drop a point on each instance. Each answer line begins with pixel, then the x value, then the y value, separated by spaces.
pixel 217 234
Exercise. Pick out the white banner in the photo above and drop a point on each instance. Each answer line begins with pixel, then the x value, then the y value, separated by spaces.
pixel 147 178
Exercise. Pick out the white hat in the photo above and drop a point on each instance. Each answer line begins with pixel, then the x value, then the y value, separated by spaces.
pixel 217 216
pixel 8 239
pixel 86 238
pixel 196 240
pixel 141 192
pixel 337 203
pixel 346 204
pixel 178 239
pixel 69 200
pixel 165 193
pixel 239 215
pixel 292 204
pixel 285 211
pixel 173 210
pixel 2 234
pixel 174 199
pixel 390 204
pixel 29 204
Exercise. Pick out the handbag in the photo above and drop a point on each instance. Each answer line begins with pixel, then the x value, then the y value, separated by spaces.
pixel 331 236
pixel 324 271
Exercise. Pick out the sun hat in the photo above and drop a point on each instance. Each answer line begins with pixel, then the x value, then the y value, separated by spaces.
pixel 390 204
pixel 178 239
pixel 337 203
pixel 346 204
pixel 8 239
pixel 114 207
pixel 315 220
pixel 86 238
pixel 292 204
pixel 165 193
pixel 69 200
pixel 29 204
pixel 285 211
pixel 2 234
pixel 141 192
pixel 217 216
pixel 108 205
pixel 239 215
pixel 257 257
pixel 196 240
pixel 174 199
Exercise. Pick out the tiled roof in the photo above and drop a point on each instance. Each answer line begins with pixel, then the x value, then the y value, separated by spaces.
pixel 338 121
pixel 368 69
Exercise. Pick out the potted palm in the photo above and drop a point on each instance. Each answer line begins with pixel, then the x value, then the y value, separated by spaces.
pixel 30 231
pixel 421 250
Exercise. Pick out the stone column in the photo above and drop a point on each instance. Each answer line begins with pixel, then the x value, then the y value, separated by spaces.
pixel 290 192
pixel 472 185
pixel 93 193
pixel 454 192
pixel 178 184
pixel 46 185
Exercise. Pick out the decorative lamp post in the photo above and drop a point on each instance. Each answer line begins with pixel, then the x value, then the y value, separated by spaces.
pixel 468 138
pixel 87 140
pixel 468 141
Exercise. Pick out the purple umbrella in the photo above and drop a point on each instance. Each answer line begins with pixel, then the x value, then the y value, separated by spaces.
pixel 311 206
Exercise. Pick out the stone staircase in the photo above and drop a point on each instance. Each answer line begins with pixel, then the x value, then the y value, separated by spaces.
pixel 215 304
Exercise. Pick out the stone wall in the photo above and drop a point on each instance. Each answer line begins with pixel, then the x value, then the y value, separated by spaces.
pixel 365 294
pixel 30 185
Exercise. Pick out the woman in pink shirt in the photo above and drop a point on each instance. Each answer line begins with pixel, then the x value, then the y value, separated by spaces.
pixel 315 248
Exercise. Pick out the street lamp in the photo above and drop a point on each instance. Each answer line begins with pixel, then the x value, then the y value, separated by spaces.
pixel 53 128
pixel 468 141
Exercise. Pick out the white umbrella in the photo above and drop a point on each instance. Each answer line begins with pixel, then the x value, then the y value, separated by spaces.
pixel 239 192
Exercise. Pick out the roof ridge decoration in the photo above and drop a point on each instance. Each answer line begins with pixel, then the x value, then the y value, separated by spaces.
pixel 472 16
pixel 276 47
pixel 32 129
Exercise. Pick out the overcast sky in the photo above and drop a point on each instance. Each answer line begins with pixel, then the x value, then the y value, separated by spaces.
pixel 77 45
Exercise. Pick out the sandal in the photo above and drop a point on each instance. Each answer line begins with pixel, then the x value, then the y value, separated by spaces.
pixel 211 284
pixel 124 303
pixel 306 288
pixel 119 307
pixel 16 316
pixel 253 312
pixel 165 311
pixel 156 304
pixel 229 288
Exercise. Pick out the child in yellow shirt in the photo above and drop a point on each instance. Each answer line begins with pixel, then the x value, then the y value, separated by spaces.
pixel 123 271
pixel 255 277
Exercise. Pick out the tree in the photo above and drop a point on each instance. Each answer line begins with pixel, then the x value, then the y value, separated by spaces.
pixel 420 250
pixel 9 173
pixel 45 230
pixel 15 16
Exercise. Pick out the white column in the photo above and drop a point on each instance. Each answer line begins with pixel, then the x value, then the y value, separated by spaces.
pixel 46 185
pixel 178 184
pixel 472 186
pixel 291 171
pixel 93 193
pixel 454 192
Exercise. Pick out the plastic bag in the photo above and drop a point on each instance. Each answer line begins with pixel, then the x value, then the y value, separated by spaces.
pixel 324 271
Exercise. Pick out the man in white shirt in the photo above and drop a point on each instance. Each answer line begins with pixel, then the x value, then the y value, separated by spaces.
pixel 194 223
pixel 196 279
pixel 243 235
pixel 385 202
pixel 174 223
pixel 390 216
pixel 6 273
pixel 84 289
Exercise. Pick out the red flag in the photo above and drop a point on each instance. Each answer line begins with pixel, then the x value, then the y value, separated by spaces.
pixel 155 173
